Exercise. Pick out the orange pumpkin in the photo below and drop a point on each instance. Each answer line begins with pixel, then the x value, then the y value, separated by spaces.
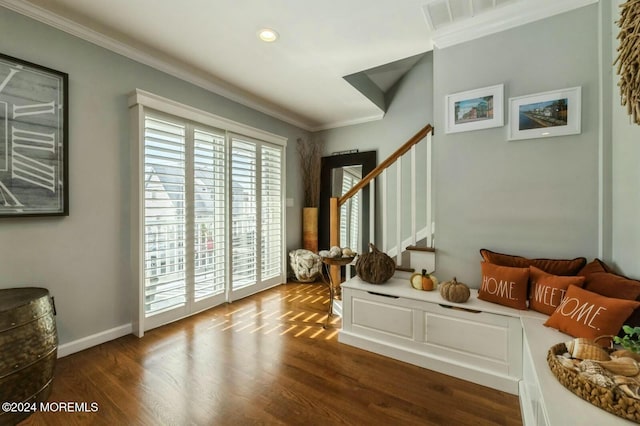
pixel 427 282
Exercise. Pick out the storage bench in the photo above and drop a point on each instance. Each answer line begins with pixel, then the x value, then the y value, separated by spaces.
pixel 478 341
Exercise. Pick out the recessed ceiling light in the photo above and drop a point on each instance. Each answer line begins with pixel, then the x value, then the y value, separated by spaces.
pixel 268 35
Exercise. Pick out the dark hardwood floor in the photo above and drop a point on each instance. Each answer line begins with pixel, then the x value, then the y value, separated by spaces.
pixel 262 360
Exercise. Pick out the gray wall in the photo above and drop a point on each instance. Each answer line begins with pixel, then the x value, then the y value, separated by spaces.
pixel 84 258
pixel 536 197
pixel 625 178
pixel 532 197
pixel 410 109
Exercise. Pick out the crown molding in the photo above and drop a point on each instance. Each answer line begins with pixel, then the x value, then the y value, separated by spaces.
pixel 345 123
pixel 504 18
pixel 216 86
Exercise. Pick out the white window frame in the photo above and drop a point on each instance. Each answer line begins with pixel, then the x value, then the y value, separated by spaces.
pixel 140 103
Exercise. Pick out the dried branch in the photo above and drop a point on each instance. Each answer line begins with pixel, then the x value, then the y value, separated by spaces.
pixel 628 59
pixel 310 153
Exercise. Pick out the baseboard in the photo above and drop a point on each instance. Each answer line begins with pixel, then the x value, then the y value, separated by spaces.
pixel 93 340
pixel 526 410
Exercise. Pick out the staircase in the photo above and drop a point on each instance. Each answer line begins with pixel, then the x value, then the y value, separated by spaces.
pixel 412 248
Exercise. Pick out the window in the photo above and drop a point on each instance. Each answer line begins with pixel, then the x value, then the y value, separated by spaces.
pixel 350 211
pixel 208 214
pixel 164 220
pixel 271 209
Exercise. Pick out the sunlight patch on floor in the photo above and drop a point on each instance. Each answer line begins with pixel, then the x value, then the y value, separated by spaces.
pixel 300 333
pixel 295 322
pixel 307 319
pixel 287 330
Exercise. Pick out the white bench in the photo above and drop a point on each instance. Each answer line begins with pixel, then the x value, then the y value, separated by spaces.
pixel 481 342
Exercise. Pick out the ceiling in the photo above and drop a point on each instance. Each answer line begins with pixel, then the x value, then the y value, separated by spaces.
pixel 298 78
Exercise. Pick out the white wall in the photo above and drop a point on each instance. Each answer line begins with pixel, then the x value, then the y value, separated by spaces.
pixel 625 178
pixel 83 259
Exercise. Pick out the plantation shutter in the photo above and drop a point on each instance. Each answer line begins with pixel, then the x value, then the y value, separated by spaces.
pixel 244 210
pixel 164 215
pixel 271 212
pixel 349 213
pixel 209 171
pixel 207 218
pixel 354 222
pixel 344 212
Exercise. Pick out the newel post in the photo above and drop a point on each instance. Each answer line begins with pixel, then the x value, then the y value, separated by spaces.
pixel 334 237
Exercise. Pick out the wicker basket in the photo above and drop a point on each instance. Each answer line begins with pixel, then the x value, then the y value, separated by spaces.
pixel 611 400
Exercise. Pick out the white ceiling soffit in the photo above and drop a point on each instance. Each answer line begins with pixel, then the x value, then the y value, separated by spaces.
pixel 457 21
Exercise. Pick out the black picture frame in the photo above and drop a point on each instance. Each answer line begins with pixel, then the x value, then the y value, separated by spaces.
pixel 34 139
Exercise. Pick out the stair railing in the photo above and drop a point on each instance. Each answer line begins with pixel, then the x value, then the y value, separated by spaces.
pixel 369 179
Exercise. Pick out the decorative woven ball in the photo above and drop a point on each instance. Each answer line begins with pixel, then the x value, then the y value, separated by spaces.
pixel 375 267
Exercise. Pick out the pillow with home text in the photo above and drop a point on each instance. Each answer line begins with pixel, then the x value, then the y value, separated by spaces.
pixel 504 285
pixel 548 290
pixel 583 313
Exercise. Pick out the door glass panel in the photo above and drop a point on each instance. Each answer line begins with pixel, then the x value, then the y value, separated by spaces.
pixel 164 216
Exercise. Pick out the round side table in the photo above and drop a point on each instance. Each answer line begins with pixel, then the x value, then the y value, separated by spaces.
pixel 328 262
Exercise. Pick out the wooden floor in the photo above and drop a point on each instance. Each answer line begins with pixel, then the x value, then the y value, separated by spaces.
pixel 265 360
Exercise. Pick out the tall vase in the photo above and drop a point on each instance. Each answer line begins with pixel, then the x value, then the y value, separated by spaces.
pixel 310 228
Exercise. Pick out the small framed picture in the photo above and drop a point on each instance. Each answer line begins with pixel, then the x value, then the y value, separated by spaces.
pixel 474 109
pixel 544 115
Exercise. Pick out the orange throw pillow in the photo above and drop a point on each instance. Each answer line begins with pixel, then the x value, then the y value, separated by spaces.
pixel 547 290
pixel 613 285
pixel 504 285
pixel 551 266
pixel 585 314
pixel 596 265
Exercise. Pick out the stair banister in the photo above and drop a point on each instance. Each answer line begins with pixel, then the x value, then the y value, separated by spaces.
pixel 386 163
pixel 398 213
pixel 336 202
pixel 414 196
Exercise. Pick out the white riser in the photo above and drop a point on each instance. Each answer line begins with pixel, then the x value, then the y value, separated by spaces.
pixel 420 260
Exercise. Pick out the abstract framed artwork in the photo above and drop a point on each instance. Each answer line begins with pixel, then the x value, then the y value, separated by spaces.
pixel 544 115
pixel 33 139
pixel 475 109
